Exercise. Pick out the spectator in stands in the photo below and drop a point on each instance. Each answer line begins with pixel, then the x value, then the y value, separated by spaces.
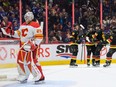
pixel 113 21
pixel 106 8
pixel 113 7
pixel 106 20
pixel 59 36
pixel 13 18
pixel 6 24
pixel 67 27
pixel 84 20
pixel 15 25
pixel 66 36
pixel 59 12
pixel 54 40
pixel 2 12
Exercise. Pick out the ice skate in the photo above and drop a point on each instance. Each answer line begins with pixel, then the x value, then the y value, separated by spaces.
pixel 97 63
pixel 22 79
pixel 88 64
pixel 73 65
pixel 93 62
pixel 40 81
pixel 107 64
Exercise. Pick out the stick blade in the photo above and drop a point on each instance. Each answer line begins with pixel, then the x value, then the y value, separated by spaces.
pixel 6 78
pixel 3 77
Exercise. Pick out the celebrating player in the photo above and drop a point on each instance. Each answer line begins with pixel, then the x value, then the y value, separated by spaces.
pixel 112 50
pixel 75 40
pixel 90 44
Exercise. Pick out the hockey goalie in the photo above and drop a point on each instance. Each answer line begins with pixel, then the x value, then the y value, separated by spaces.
pixel 31 35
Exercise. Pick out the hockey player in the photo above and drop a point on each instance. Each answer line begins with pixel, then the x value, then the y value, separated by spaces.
pixel 31 35
pixel 6 24
pixel 99 42
pixel 90 44
pixel 74 41
pixel 112 50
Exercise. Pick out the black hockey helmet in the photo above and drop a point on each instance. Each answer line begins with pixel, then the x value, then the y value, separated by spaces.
pixel 114 29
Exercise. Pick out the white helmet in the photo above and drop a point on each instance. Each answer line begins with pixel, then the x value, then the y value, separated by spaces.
pixel 29 16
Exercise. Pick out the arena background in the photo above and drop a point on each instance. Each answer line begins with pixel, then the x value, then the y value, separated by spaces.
pixel 59 17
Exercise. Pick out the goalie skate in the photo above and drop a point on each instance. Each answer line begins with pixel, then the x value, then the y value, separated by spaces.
pixel 22 79
pixel 73 65
pixel 40 81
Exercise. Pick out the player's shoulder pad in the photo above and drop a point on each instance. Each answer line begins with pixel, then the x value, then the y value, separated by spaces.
pixel 34 24
pixel 23 23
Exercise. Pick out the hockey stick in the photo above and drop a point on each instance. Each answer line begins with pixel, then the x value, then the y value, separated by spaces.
pixel 4 32
pixel 82 52
pixel 6 78
pixel 3 77
pixel 83 41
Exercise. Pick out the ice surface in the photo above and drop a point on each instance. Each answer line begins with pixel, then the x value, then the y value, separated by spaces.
pixel 64 76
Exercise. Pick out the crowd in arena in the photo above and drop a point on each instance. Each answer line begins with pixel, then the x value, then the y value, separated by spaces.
pixel 59 16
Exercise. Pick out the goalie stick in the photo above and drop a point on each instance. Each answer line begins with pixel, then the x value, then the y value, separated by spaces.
pixel 6 78
pixel 3 77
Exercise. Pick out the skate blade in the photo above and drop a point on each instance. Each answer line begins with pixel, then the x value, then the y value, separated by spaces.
pixel 73 66
pixel 106 66
pixel 22 82
pixel 39 82
pixel 88 65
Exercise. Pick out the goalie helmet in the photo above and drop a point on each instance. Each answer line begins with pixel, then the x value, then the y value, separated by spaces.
pixel 29 16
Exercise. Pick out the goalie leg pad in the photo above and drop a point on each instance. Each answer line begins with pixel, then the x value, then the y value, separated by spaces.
pixel 22 66
pixel 36 70
pixel 36 67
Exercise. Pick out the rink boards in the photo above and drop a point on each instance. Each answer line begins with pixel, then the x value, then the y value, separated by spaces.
pixel 48 54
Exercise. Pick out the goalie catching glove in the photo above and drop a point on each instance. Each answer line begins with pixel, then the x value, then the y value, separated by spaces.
pixel 30 46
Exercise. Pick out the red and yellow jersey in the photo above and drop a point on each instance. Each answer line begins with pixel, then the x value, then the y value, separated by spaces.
pixel 30 31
